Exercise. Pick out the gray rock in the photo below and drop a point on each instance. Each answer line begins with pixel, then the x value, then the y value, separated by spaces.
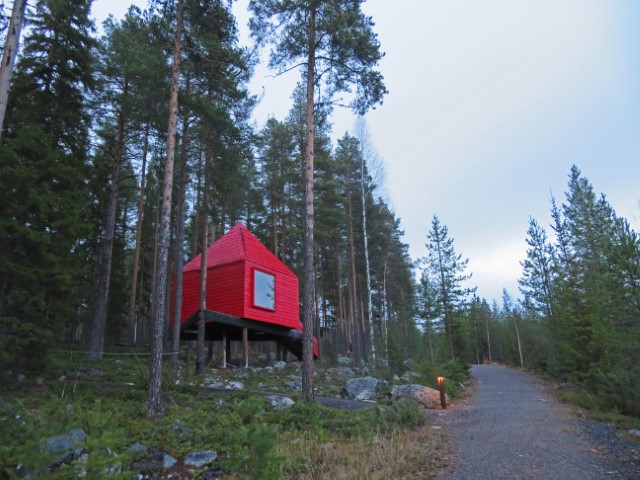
pixel 410 364
pixel 428 397
pixel 634 432
pixel 341 372
pixel 115 469
pixel 344 360
pixel 60 443
pixel 168 461
pixel 235 386
pixel 182 431
pixel 278 402
pixel 294 385
pixel 362 388
pixel 96 372
pixel 200 458
pixel 409 376
pixel 215 385
pixel 77 435
pixel 279 365
pixel 139 448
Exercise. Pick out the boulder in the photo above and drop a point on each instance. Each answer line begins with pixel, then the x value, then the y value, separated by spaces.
pixel 60 443
pixel 279 365
pixel 362 388
pixel 344 361
pixel 340 372
pixel 428 397
pixel 278 402
pixel 200 458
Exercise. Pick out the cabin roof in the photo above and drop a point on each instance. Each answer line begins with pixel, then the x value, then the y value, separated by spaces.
pixel 239 244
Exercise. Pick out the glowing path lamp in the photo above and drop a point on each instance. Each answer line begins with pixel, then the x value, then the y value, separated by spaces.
pixel 443 400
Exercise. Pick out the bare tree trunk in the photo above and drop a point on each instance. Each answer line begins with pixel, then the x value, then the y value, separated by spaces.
pixel 9 55
pixel 515 324
pixel 154 403
pixel 308 294
pixel 358 340
pixel 346 337
pixel 372 338
pixel 99 320
pixel 365 152
pixel 204 214
pixel 430 340
pixel 385 313
pixel 177 314
pixel 132 316
pixel 486 320
pixel 475 341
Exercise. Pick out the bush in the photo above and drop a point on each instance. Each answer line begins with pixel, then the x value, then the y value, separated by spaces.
pixel 454 372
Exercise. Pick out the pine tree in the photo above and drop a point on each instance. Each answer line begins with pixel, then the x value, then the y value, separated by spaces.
pixel 336 39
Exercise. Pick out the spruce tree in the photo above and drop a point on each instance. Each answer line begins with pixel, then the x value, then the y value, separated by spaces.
pixel 44 222
pixel 448 271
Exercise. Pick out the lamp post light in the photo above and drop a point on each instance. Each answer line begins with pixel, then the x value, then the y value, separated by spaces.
pixel 443 399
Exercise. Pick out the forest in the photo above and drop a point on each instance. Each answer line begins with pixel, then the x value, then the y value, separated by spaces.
pixel 123 155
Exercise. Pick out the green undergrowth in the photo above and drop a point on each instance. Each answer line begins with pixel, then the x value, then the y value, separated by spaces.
pixel 597 407
pixel 592 403
pixel 455 373
pixel 107 400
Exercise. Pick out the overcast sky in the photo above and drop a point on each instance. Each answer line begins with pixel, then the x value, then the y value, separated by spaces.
pixel 489 105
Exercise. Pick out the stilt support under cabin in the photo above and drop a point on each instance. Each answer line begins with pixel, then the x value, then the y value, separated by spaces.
pixel 245 348
pixel 225 350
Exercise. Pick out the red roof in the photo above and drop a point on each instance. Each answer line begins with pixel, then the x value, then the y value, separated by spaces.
pixel 239 244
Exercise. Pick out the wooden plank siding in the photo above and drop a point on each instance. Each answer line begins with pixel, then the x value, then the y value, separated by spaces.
pixel 230 272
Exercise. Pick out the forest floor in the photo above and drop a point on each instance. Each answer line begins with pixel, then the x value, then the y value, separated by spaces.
pixel 513 427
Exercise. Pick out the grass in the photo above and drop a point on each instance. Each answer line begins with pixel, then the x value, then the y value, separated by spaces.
pixel 107 399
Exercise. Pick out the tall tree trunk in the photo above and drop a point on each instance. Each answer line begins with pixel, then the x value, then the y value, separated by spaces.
pixel 385 312
pixel 372 339
pixel 204 214
pixel 177 314
pixel 99 320
pixel 515 324
pixel 475 341
pixel 132 317
pixel 358 340
pixel 154 403
pixel 9 55
pixel 429 328
pixel 309 278
pixel 346 337
pixel 486 322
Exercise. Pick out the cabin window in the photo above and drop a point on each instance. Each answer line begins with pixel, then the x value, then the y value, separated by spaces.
pixel 264 290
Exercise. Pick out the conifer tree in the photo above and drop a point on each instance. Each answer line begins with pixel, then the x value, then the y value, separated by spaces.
pixel 337 40
pixel 448 271
pixel 44 159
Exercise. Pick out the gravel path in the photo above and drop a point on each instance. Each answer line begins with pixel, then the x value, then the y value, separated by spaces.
pixel 513 429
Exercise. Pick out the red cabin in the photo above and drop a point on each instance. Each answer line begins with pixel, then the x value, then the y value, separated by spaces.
pixel 247 287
